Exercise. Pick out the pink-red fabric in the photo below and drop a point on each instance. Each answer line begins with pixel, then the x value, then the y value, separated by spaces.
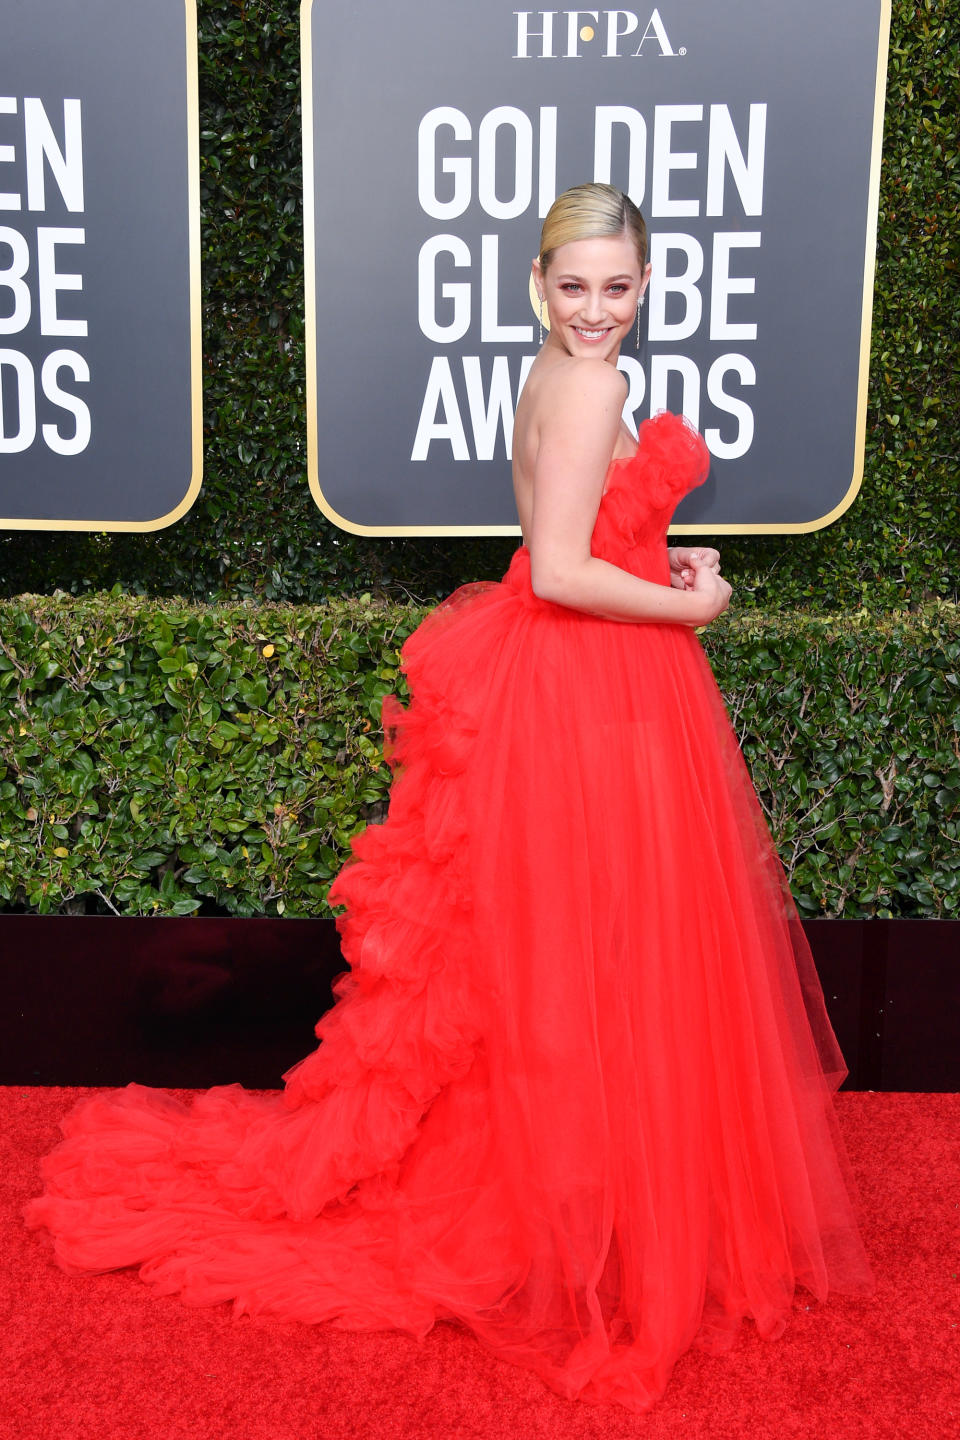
pixel 576 1088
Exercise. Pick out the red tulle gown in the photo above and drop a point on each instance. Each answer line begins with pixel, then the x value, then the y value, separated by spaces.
pixel 576 1089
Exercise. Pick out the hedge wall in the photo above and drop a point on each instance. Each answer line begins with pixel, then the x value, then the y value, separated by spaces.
pixel 255 530
pixel 173 758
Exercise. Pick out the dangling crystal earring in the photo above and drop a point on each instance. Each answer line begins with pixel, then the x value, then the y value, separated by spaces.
pixel 541 319
pixel 639 304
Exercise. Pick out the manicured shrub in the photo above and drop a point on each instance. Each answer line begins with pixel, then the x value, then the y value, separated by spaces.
pixel 175 759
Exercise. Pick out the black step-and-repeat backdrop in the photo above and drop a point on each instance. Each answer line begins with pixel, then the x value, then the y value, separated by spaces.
pixel 100 423
pixel 437 135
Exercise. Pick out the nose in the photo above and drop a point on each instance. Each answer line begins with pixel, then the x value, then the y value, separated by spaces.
pixel 592 308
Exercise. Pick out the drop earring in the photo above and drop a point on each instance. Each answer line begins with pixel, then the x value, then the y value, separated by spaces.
pixel 541 319
pixel 639 304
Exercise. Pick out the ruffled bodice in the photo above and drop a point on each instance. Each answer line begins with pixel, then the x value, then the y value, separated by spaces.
pixel 641 492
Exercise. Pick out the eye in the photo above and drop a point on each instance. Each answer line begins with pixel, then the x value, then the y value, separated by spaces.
pixel 618 289
pixel 570 285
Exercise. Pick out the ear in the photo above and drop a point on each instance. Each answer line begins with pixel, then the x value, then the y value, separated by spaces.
pixel 537 273
pixel 646 277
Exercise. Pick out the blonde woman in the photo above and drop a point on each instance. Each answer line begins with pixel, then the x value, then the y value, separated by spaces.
pixel 575 1092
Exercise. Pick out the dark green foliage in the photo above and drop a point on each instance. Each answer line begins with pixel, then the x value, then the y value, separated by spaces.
pixel 255 530
pixel 156 758
pixel 168 758
pixel 851 729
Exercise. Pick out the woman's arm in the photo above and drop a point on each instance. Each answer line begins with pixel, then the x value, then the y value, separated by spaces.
pixel 577 439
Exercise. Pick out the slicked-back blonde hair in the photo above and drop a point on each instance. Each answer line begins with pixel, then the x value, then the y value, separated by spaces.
pixel 588 211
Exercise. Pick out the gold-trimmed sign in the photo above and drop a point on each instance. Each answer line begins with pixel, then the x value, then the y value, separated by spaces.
pixel 100 364
pixel 435 139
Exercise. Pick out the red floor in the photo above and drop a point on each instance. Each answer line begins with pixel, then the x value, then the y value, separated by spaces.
pixel 101 1357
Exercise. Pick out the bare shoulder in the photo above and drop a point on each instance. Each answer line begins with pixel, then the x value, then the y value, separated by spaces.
pixel 569 406
pixel 593 379
pixel 579 391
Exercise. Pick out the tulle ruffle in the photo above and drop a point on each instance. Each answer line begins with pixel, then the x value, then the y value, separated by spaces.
pixel 671 459
pixel 576 1091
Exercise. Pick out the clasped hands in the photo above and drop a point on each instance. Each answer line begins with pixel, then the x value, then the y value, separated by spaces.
pixel 686 561
pixel 697 570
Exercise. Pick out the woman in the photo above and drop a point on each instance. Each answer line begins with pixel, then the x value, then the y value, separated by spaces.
pixel 576 1090
pixel 569 426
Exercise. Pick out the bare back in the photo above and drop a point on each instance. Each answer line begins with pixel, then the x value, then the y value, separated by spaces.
pixel 536 408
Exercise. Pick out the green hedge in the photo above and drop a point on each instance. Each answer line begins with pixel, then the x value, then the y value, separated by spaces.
pixel 255 530
pixel 174 759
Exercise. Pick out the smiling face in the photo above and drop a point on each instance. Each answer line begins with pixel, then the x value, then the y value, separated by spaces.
pixel 591 289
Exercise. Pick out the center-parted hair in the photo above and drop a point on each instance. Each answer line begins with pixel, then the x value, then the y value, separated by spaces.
pixel 588 211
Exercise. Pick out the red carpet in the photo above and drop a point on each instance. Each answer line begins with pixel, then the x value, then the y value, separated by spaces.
pixel 101 1357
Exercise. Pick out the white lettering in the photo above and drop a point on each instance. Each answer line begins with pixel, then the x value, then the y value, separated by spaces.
pixel 725 150
pixel 505 116
pixel 606 117
pixel 525 367
pixel 655 24
pixel 573 30
pixel 666 160
pixel 66 360
pixel 66 165
pixel 662 284
pixel 49 281
pixel 730 405
pixel 26 405
pixel 8 199
pixel 457 291
pixel 491 330
pixel 637 381
pixel 525 34
pixel 487 414
pixel 547 178
pixel 615 31
pixel 12 278
pixel 457 166
pixel 661 367
pixel 723 285
pixel 440 391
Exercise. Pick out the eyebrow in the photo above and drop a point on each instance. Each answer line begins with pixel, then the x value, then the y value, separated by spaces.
pixel 571 276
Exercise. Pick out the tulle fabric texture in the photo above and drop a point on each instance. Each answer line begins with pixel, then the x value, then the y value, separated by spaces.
pixel 576 1089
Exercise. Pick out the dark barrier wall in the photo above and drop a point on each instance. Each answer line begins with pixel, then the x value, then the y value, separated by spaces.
pixel 437 136
pixel 99 264
pixel 205 1002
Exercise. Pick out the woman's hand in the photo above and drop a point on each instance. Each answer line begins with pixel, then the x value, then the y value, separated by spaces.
pixel 686 561
pixel 712 590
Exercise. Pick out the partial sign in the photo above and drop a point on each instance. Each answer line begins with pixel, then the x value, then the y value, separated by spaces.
pixel 100 423
pixel 436 137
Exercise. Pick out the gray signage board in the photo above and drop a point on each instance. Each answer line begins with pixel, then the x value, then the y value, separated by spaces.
pixel 100 421
pixel 436 136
